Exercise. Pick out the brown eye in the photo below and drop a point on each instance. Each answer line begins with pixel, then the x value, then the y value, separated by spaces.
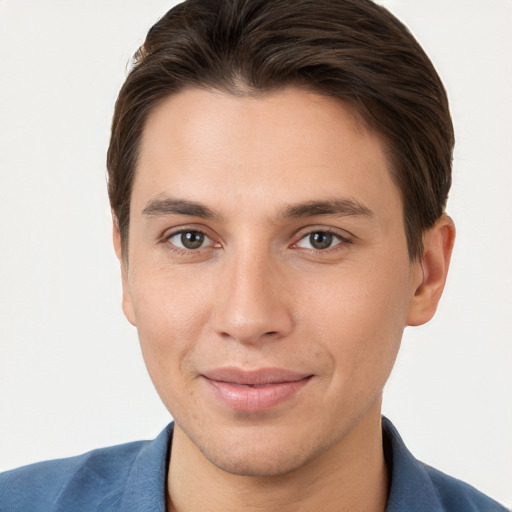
pixel 320 240
pixel 189 240
pixel 192 239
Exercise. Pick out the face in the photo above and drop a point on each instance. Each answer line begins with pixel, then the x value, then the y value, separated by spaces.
pixel 267 273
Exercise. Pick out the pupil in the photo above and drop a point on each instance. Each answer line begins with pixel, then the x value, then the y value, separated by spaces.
pixel 192 239
pixel 320 240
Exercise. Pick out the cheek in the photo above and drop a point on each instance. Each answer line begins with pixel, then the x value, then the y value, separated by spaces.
pixel 359 317
pixel 170 311
pixel 359 300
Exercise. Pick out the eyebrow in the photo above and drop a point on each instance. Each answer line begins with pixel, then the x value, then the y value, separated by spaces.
pixel 345 207
pixel 169 206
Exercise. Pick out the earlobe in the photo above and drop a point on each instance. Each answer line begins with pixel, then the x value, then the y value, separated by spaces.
pixel 432 270
pixel 127 299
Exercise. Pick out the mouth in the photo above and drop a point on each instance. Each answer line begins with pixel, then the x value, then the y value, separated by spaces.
pixel 256 390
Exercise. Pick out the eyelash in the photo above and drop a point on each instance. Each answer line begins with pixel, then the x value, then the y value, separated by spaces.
pixel 183 250
pixel 343 241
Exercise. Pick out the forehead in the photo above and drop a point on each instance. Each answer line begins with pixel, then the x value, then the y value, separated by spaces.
pixel 288 145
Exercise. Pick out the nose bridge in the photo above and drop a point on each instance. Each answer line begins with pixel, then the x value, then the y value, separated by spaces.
pixel 251 305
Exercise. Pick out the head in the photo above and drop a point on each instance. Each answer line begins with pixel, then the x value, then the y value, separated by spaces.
pixel 278 172
pixel 351 50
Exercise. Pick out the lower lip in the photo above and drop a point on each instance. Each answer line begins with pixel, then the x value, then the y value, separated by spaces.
pixel 255 399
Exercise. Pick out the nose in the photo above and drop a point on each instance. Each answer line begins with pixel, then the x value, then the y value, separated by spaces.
pixel 252 304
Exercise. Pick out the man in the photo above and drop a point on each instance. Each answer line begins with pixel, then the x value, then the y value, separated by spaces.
pixel 278 174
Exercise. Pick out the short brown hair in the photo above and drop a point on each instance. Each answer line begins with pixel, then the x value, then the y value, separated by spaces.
pixel 353 50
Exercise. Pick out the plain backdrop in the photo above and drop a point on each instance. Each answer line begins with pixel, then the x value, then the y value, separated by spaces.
pixel 71 373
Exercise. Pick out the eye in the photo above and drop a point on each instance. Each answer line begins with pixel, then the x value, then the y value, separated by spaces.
pixel 189 239
pixel 320 240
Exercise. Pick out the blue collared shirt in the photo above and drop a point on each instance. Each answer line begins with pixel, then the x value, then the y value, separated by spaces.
pixel 132 478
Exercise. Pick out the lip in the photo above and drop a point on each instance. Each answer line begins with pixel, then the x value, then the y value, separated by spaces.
pixel 254 390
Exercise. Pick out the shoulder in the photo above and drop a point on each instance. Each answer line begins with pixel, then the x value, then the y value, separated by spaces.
pixel 92 477
pixel 419 487
pixel 128 477
pixel 457 495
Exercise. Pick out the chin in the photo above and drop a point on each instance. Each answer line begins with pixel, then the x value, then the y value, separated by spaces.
pixel 258 463
pixel 258 451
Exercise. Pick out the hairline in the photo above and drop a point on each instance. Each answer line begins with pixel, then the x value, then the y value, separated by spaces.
pixel 237 87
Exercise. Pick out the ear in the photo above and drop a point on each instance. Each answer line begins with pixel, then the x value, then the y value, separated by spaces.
pixel 430 271
pixel 123 261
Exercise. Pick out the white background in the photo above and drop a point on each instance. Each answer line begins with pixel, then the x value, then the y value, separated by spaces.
pixel 71 374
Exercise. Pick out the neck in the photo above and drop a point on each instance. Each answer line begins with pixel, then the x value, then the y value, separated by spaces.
pixel 350 476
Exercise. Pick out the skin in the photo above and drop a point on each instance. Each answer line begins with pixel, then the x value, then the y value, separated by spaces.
pixel 257 293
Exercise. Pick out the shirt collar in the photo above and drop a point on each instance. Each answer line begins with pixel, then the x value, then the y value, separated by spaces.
pixel 146 485
pixel 410 489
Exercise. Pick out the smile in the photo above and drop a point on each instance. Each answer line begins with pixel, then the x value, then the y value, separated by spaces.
pixel 254 391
